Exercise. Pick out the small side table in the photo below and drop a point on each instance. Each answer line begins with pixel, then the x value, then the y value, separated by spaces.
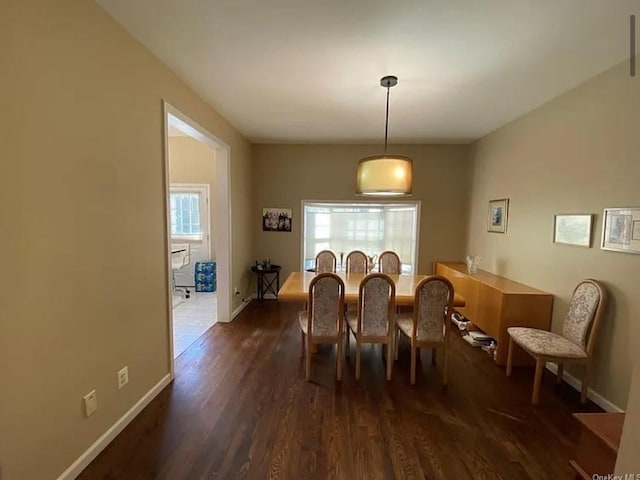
pixel 267 277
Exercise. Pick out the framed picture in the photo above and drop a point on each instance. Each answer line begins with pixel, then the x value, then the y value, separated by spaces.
pixel 621 230
pixel 498 213
pixel 276 219
pixel 573 229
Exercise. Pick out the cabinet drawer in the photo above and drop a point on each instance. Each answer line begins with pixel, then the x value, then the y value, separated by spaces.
pixel 464 285
pixel 489 310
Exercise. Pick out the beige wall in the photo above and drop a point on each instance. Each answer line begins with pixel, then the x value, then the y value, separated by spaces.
pixel 576 154
pixel 284 175
pixel 83 286
pixel 191 161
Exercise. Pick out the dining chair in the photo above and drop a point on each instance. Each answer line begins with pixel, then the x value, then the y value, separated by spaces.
pixel 428 324
pixel 323 320
pixel 575 345
pixel 326 262
pixel 357 262
pixel 373 321
pixel 389 263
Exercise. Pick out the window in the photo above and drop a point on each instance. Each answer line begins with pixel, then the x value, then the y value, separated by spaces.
pixel 367 226
pixel 187 206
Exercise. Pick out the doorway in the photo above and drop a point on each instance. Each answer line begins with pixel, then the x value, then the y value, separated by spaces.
pixel 198 238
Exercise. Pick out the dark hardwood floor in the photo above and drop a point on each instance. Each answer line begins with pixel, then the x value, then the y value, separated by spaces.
pixel 240 408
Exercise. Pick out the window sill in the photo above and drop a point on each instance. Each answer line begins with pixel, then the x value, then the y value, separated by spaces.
pixel 187 238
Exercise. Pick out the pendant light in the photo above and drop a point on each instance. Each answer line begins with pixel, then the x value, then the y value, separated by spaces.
pixel 385 175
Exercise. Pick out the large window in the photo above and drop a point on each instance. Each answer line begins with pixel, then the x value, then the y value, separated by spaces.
pixel 187 209
pixel 367 226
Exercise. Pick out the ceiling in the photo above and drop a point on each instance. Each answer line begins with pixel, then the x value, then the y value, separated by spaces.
pixel 301 71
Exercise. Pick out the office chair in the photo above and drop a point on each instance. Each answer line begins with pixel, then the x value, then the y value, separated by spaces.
pixel 180 258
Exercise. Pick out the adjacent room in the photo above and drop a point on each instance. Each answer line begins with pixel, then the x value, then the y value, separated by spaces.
pixel 192 186
pixel 294 240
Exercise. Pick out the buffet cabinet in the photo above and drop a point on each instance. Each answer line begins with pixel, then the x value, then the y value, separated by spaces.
pixel 494 303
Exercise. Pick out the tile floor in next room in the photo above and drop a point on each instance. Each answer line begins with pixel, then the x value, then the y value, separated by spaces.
pixel 191 318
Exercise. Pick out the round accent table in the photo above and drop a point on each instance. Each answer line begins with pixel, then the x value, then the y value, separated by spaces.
pixel 268 280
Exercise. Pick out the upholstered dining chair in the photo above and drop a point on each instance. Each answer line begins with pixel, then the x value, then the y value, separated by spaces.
pixel 428 324
pixel 323 321
pixel 373 322
pixel 575 345
pixel 326 262
pixel 389 263
pixel 357 262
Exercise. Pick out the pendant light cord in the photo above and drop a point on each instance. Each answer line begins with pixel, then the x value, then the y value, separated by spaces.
pixel 386 122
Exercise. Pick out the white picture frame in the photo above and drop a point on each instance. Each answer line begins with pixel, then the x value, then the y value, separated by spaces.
pixel 621 230
pixel 573 229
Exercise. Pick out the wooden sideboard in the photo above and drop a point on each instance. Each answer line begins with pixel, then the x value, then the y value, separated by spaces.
pixel 495 303
pixel 598 446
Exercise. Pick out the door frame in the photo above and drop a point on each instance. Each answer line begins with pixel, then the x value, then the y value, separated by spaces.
pixel 222 207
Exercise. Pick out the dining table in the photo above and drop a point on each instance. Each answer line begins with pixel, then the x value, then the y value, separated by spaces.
pixel 296 287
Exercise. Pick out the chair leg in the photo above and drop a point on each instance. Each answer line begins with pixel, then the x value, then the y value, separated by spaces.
pixel 433 356
pixel 389 359
pixel 509 357
pixel 586 378
pixel 397 340
pixel 560 373
pixel 414 352
pixel 348 344
pixel 445 365
pixel 339 360
pixel 537 381
pixel 357 359
pixel 308 359
pixel 302 340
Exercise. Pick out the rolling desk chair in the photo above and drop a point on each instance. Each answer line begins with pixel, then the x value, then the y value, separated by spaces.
pixel 180 258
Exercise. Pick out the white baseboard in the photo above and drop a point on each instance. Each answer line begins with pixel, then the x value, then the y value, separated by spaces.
pixel 592 395
pixel 107 437
pixel 241 307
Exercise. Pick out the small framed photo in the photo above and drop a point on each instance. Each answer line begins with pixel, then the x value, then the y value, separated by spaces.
pixel 573 229
pixel 621 230
pixel 498 214
pixel 276 219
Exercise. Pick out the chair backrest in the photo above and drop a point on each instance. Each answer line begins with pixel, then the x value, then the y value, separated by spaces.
pixel 182 258
pixel 376 305
pixel 432 305
pixel 389 263
pixel 326 305
pixel 325 262
pixel 357 262
pixel 187 256
pixel 586 310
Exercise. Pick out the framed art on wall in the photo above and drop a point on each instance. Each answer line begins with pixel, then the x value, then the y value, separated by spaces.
pixel 621 230
pixel 498 214
pixel 276 219
pixel 573 229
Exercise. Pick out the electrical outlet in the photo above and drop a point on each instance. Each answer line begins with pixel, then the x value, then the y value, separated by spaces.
pixel 123 377
pixel 90 403
pixel 236 291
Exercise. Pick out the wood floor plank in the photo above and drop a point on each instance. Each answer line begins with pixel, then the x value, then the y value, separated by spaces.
pixel 240 408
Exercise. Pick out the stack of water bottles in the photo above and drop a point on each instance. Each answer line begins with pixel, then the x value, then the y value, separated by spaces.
pixel 205 277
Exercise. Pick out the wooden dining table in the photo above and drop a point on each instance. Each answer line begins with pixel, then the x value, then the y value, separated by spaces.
pixel 296 288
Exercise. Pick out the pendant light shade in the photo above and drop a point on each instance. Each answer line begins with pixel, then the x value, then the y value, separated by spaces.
pixel 385 175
